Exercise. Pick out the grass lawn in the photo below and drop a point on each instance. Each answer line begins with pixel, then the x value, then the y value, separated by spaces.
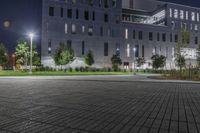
pixel 58 73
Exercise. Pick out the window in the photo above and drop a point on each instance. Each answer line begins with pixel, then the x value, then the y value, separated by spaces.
pixel 164 37
pixel 114 3
pixel 196 27
pixel 154 50
pixel 136 51
pixel 51 11
pixel 126 33
pixel 196 40
pixel 181 14
pixel 140 35
pixel 91 2
pixel 61 12
pixel 158 36
pixel 83 28
pixel 106 17
pixel 128 50
pixel 77 13
pixel 66 28
pixel 142 50
pixel 69 43
pixel 118 49
pixel 150 36
pixel 170 13
pixel 133 34
pixel 175 13
pixel 86 15
pixel 105 49
pixel 105 3
pixel 93 16
pixel 73 29
pixel 101 31
pixel 176 38
pixel 83 47
pixel 198 17
pixel 69 13
pixel 49 47
pixel 186 15
pixel 74 1
pixel 100 3
pixel 173 25
pixel 90 31
pixel 193 16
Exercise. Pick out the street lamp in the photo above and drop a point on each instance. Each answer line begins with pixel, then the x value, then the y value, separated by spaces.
pixel 31 35
pixel 134 50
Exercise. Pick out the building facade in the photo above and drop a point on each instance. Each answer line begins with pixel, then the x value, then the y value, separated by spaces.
pixel 125 28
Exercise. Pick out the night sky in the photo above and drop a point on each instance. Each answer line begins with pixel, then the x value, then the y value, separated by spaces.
pixel 25 17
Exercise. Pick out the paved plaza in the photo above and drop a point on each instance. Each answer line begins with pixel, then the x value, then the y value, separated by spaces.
pixel 98 105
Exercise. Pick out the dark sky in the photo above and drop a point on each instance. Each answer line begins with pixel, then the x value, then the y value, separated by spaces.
pixel 25 16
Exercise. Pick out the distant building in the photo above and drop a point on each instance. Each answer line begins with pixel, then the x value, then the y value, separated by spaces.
pixel 110 27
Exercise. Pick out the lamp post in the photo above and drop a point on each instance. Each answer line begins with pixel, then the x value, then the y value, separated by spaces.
pixel 31 35
pixel 134 50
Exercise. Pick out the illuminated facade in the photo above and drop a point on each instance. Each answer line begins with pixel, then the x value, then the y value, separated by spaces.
pixel 109 27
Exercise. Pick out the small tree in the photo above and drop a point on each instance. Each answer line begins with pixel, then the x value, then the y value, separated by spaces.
pixel 63 55
pixel 180 60
pixel 198 56
pixel 182 43
pixel 22 52
pixel 89 58
pixel 3 55
pixel 116 62
pixel 158 61
pixel 140 61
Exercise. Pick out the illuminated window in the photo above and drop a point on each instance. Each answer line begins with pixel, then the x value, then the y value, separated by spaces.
pixel 186 15
pixel 197 17
pixel 170 12
pixel 181 14
pixel 196 27
pixel 128 50
pixel 126 33
pixel 83 28
pixel 73 28
pixel 175 13
pixel 193 16
pixel 66 29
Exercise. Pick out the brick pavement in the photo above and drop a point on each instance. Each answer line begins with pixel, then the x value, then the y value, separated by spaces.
pixel 81 106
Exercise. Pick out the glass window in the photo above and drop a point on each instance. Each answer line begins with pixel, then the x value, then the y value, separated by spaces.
pixel 140 35
pixel 73 28
pixel 193 16
pixel 61 12
pixel 51 11
pixel 186 15
pixel 170 13
pixel 175 13
pixel 105 49
pixel 90 31
pixel 69 13
pixel 128 50
pixel 66 28
pixel 150 36
pixel 126 33
pixel 181 14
